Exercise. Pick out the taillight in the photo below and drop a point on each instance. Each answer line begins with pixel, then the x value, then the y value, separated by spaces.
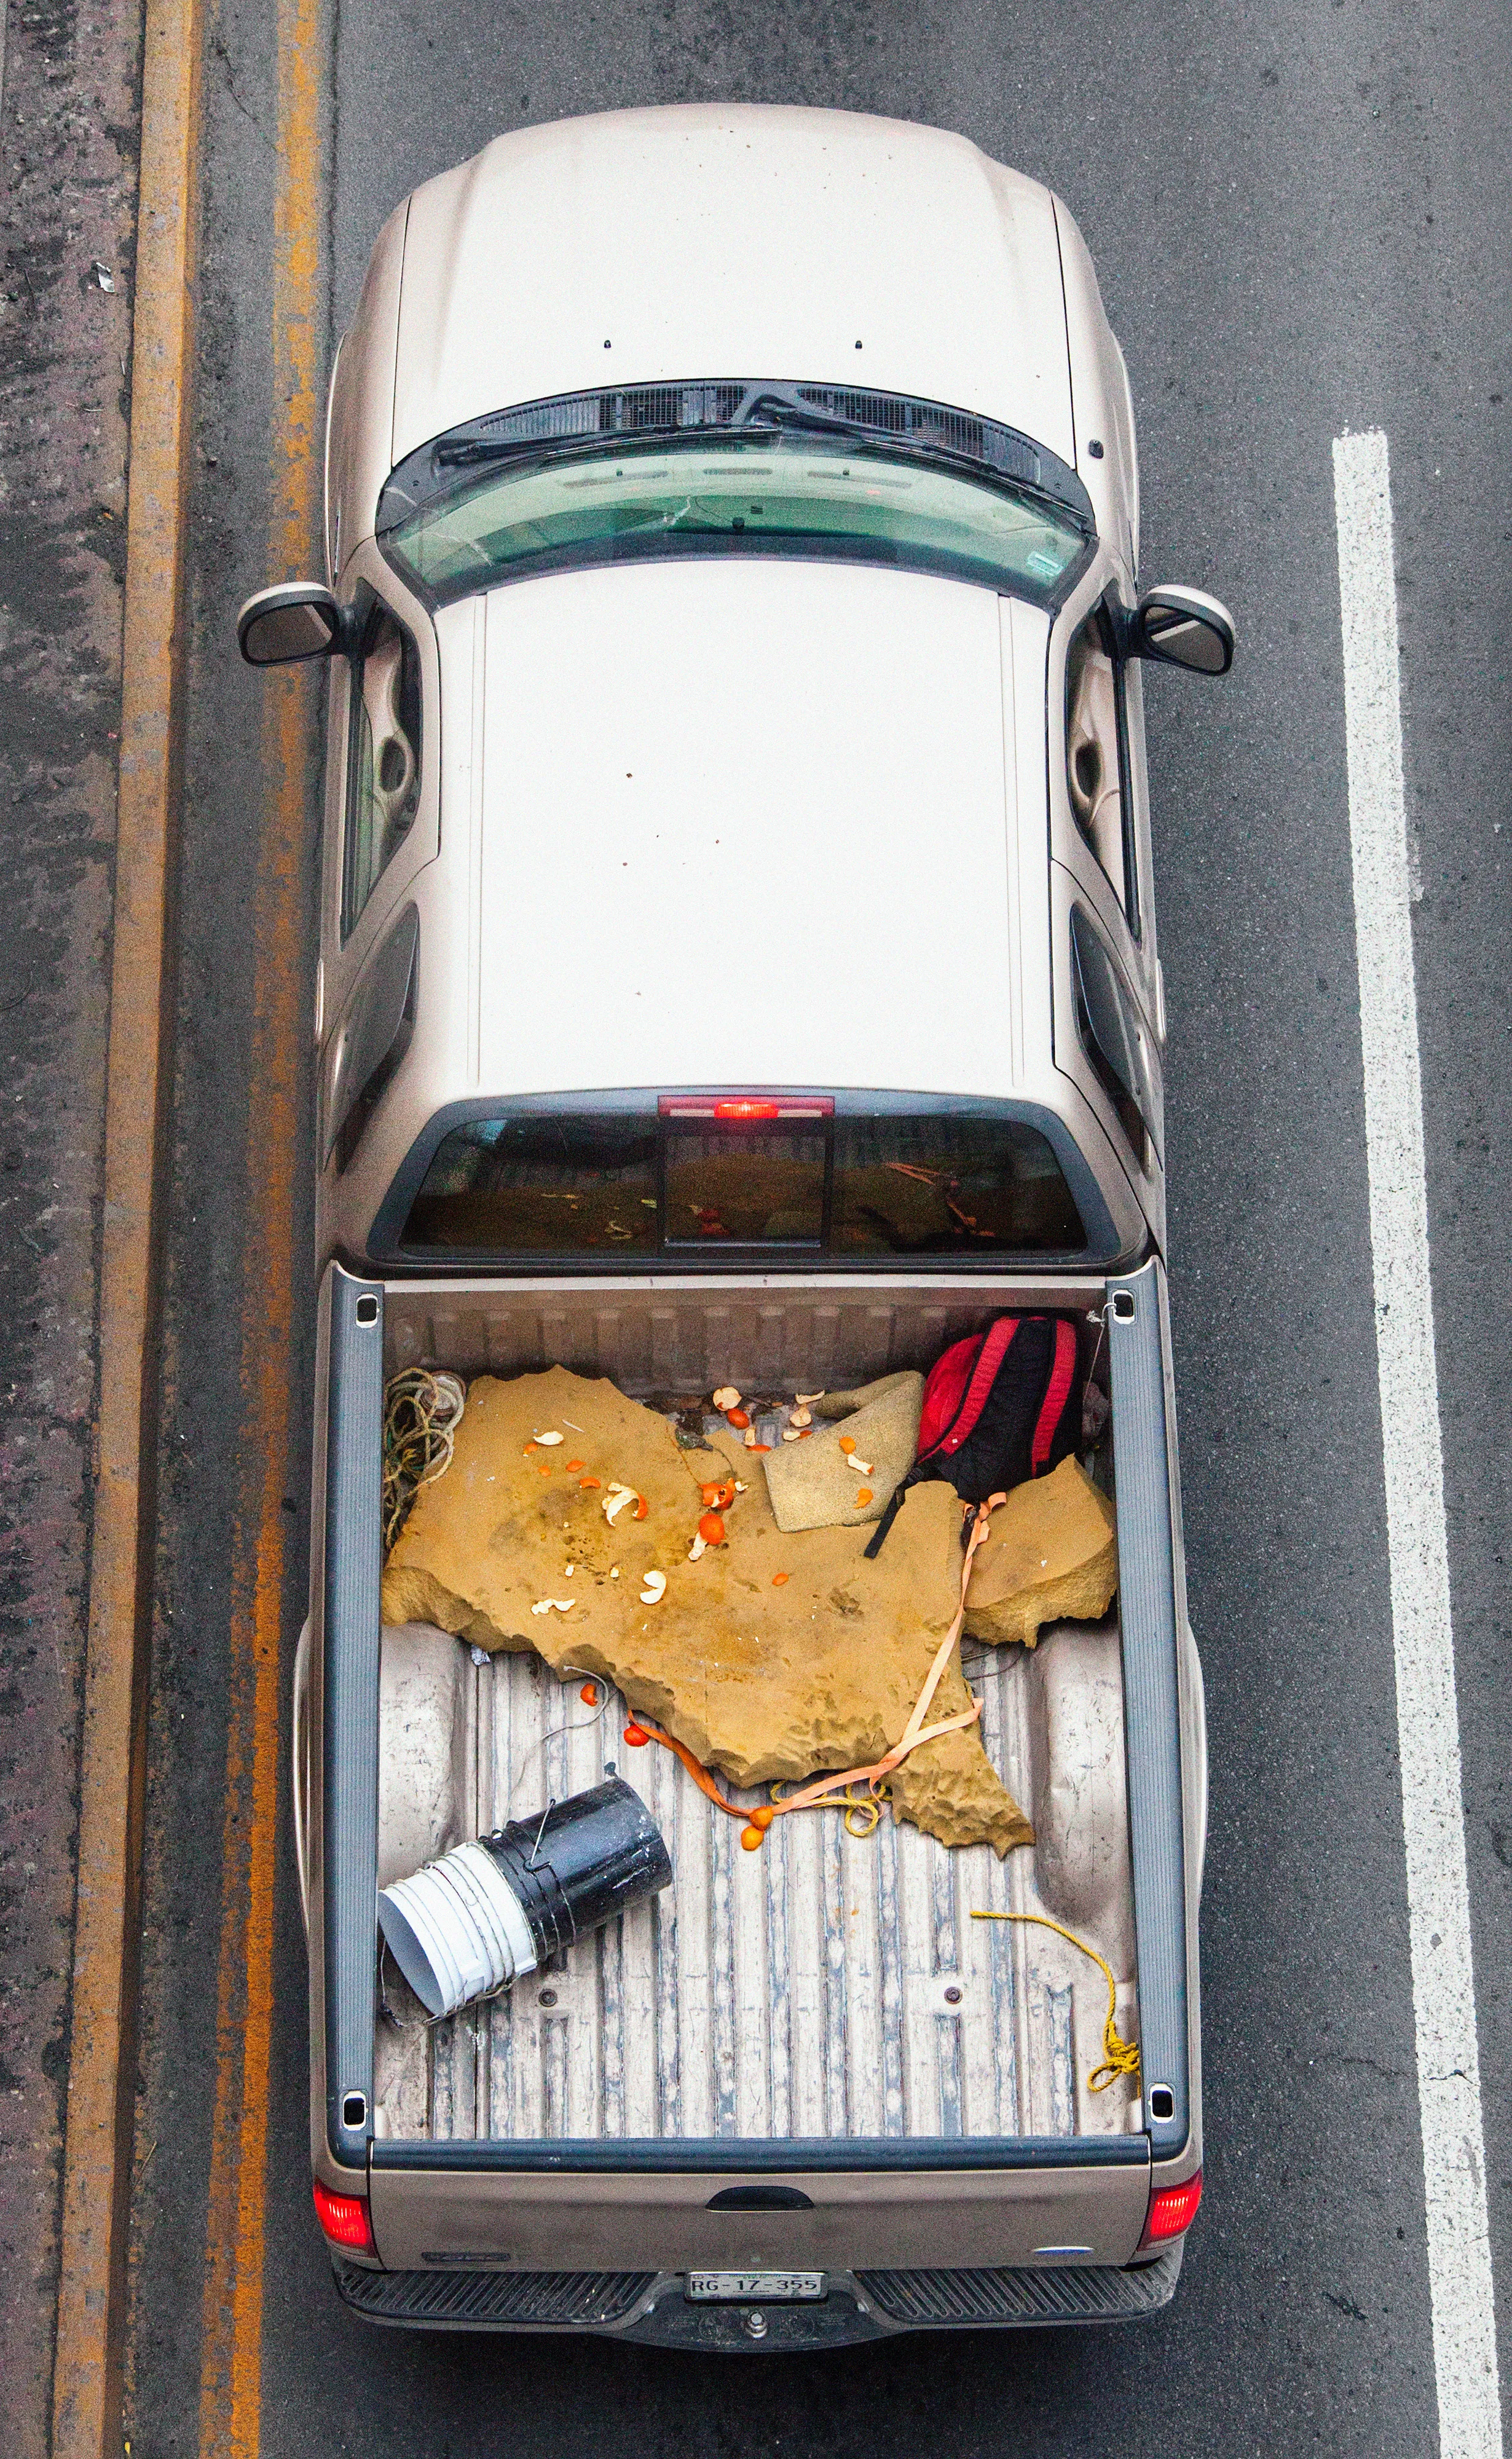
pixel 345 2219
pixel 1172 2209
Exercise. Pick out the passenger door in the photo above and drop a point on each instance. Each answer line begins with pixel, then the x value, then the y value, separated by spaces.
pixel 1106 1044
pixel 1098 790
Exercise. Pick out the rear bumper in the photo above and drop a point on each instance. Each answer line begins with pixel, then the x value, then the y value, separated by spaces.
pixel 652 2308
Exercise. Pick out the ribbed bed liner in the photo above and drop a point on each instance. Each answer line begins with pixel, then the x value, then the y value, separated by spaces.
pixel 809 1989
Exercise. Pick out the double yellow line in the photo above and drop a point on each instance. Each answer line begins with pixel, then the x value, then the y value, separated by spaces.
pixel 90 2317
pixel 231 2345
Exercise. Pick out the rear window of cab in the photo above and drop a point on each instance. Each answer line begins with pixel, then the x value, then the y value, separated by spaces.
pixel 689 1177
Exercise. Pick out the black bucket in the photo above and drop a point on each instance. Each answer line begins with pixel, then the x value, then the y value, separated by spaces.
pixel 488 1912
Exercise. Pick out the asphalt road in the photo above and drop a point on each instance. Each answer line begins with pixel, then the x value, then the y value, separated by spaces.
pixel 67 203
pixel 1300 216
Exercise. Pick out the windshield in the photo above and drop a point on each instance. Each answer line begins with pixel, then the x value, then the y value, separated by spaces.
pixel 769 494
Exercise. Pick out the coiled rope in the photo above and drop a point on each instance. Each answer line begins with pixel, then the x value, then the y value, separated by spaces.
pixel 1120 2057
pixel 422 1412
pixel 863 1810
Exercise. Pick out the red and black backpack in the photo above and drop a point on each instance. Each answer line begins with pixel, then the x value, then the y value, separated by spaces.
pixel 1000 1408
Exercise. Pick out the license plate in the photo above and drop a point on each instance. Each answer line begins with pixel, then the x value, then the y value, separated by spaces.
pixel 762 2287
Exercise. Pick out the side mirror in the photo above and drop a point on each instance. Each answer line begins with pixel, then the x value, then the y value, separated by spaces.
pixel 297 619
pixel 1184 627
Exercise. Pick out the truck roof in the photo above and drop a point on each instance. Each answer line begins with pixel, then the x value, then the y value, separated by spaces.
pixel 749 821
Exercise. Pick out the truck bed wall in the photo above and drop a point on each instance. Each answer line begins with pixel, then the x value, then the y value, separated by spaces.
pixel 685 1333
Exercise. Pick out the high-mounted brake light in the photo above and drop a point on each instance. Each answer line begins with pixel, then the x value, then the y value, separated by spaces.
pixel 1172 2209
pixel 345 2219
pixel 738 1106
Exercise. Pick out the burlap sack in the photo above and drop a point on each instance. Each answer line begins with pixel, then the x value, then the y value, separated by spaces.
pixel 844 1404
pixel 771 1656
pixel 1051 1555
pixel 813 1484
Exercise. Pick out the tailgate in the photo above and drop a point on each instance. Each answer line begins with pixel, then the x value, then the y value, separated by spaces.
pixel 673 2219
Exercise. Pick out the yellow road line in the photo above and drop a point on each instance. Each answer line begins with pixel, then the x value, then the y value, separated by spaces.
pixel 87 2364
pixel 230 2383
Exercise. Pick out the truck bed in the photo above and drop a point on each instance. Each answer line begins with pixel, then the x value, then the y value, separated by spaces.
pixel 800 1992
pixel 832 1986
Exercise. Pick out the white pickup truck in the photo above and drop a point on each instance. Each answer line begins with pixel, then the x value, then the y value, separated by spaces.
pixel 736 764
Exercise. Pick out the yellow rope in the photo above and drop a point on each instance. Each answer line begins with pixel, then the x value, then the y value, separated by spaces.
pixel 863 1811
pixel 1120 2057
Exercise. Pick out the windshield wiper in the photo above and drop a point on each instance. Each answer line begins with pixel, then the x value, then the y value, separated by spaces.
pixel 568 424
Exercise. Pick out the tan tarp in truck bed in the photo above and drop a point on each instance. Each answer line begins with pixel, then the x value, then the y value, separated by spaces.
pixel 770 1657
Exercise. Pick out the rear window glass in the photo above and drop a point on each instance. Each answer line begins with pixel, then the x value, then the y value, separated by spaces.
pixel 949 1185
pixel 744 1187
pixel 540 1186
pixel 920 1184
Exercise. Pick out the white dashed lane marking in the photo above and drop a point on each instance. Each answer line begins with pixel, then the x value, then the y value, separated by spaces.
pixel 1428 1724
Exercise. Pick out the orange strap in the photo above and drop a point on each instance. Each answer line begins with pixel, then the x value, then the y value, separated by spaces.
pixel 639 1730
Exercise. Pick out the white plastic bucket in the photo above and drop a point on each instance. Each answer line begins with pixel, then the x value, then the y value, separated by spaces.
pixel 456 1929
